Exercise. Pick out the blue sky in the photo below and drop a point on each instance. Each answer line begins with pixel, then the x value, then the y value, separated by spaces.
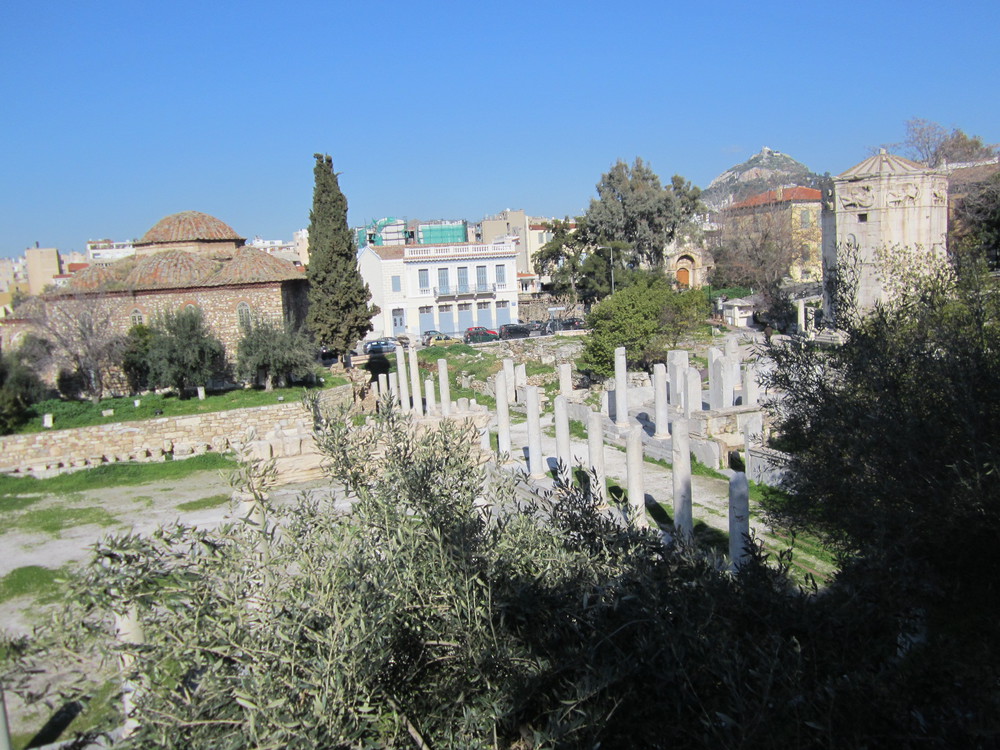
pixel 116 113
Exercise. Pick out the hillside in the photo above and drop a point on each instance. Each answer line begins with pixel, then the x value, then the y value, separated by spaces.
pixel 761 172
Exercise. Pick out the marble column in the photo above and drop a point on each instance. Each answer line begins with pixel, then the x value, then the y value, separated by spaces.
pixel 520 377
pixel 503 413
pixel 660 410
pixel 565 379
pixel 692 384
pixel 751 385
pixel 383 385
pixel 445 387
pixel 536 461
pixel 564 451
pixel 636 486
pixel 739 520
pixel 730 376
pixel 800 314
pixel 508 371
pixel 429 395
pixel 595 445
pixel 418 402
pixel 677 364
pixel 404 389
pixel 681 473
pixel 715 365
pixel 621 388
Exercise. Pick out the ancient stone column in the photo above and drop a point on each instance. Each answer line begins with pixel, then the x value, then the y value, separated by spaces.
pixel 739 519
pixel 404 389
pixel 692 383
pixel 564 451
pixel 565 379
pixel 729 369
pixel 520 376
pixel 503 413
pixel 595 445
pixel 536 461
pixel 800 314
pixel 660 401
pixel 636 487
pixel 508 371
pixel 484 440
pixel 128 629
pixel 429 394
pixel 418 402
pixel 445 387
pixel 383 384
pixel 394 388
pixel 677 364
pixel 751 385
pixel 715 398
pixel 681 459
pixel 621 388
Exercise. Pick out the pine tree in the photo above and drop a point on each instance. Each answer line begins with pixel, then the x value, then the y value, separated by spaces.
pixel 339 313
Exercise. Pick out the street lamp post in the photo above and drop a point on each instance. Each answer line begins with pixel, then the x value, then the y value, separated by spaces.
pixel 612 251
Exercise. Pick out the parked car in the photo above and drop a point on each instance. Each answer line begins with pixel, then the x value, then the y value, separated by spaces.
pixel 440 339
pixel 426 337
pixel 536 326
pixel 379 346
pixel 574 324
pixel 514 331
pixel 479 334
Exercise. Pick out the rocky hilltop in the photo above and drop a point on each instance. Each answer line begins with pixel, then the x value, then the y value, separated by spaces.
pixel 763 171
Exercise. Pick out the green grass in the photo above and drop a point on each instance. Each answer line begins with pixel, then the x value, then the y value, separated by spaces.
pixel 697 467
pixel 10 503
pixel 68 414
pixel 53 520
pixel 109 475
pixel 212 501
pixel 30 580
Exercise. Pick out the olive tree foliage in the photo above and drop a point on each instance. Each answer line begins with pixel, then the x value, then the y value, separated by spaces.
pixel 443 612
pixel 893 438
pixel 932 144
pixel 182 351
pixel 339 310
pixel 274 349
pixel 633 208
pixel 20 387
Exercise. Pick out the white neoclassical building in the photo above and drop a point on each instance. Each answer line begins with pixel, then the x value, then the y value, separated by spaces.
pixel 445 288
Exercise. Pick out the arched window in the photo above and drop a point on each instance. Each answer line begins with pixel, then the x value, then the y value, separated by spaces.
pixel 243 314
pixel 136 317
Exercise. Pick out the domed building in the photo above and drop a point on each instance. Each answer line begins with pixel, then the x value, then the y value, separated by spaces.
pixel 187 259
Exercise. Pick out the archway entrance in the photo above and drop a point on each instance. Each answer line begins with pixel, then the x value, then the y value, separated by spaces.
pixel 684 277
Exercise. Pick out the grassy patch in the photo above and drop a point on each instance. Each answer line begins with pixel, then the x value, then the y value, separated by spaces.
pixel 53 520
pixel 113 475
pixel 213 501
pixel 9 503
pixel 68 414
pixel 30 580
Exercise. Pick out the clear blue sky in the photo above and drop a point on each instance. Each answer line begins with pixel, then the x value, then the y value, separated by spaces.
pixel 118 113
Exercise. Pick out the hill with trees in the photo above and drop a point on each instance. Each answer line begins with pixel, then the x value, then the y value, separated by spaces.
pixel 763 171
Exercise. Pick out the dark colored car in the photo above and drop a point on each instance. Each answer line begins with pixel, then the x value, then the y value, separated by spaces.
pixel 536 326
pixel 379 346
pixel 569 324
pixel 514 331
pixel 479 334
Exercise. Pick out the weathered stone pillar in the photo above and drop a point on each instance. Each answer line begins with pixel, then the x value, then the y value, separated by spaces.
pixel 394 389
pixel 739 520
pixel 418 402
pixel 383 384
pixel 681 459
pixel 751 385
pixel 508 371
pixel 484 439
pixel 730 375
pixel 445 387
pixel 536 461
pixel 128 629
pixel 753 429
pixel 201 393
pixel 520 376
pixel 621 388
pixel 565 379
pixel 404 389
pixel 595 445
pixel 715 359
pixel 503 413
pixel 660 410
pixel 564 451
pixel 636 486
pixel 677 364
pixel 692 383
pixel 47 421
pixel 800 314
pixel 429 395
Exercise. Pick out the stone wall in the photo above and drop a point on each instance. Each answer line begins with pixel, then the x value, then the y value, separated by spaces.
pixel 55 451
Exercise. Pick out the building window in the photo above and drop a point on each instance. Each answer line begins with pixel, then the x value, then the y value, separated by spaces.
pixel 502 304
pixel 501 275
pixel 426 310
pixel 445 309
pixel 465 307
pixel 397 284
pixel 243 314
pixel 424 280
pixel 862 218
pixel 463 279
pixel 136 318
pixel 805 219
pixel 482 305
pixel 481 283
pixel 443 280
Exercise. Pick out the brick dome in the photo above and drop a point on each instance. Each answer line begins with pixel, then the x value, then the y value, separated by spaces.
pixel 190 226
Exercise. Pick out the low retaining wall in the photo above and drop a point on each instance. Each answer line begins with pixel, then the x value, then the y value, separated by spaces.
pixel 55 451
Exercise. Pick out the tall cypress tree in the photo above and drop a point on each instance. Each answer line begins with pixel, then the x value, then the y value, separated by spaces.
pixel 339 313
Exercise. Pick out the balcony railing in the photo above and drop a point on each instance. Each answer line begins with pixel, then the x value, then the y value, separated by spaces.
pixel 459 290
pixel 460 249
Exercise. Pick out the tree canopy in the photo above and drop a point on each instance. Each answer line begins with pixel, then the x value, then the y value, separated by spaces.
pixel 632 207
pixel 182 351
pixel 933 145
pixel 339 313
pixel 272 349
